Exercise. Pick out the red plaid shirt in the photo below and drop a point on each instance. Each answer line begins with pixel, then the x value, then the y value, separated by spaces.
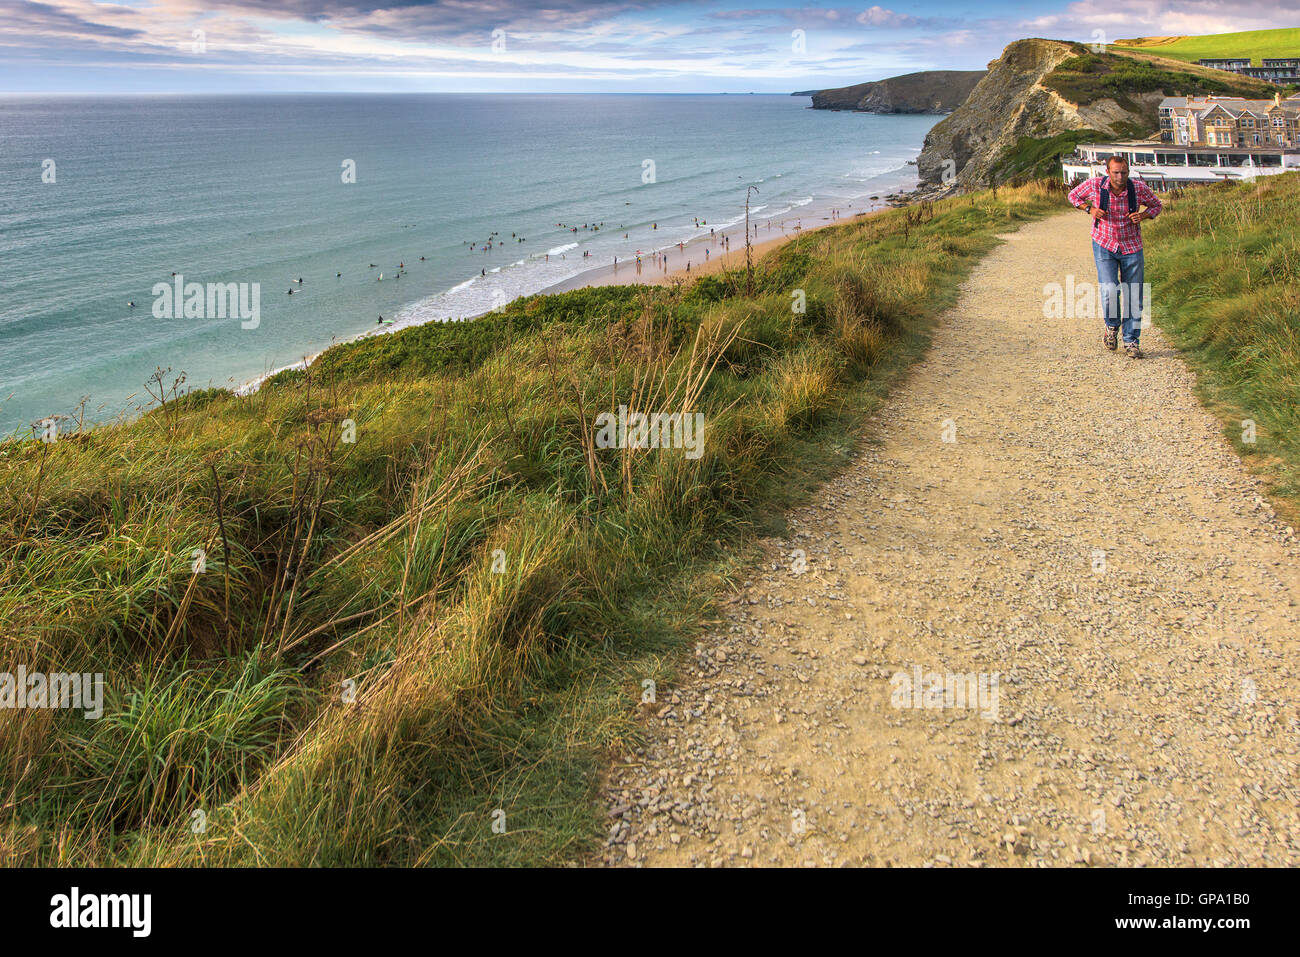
pixel 1114 231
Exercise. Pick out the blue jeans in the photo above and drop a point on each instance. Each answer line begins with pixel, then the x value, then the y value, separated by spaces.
pixel 1116 271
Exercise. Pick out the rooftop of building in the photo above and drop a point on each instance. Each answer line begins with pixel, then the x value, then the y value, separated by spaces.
pixel 1151 146
pixel 1233 104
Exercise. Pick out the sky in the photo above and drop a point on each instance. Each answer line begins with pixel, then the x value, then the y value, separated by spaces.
pixel 700 46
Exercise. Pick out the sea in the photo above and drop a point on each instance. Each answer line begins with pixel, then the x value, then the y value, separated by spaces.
pixel 413 208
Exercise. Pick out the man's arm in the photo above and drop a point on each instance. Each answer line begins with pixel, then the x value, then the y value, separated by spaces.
pixel 1083 196
pixel 1147 198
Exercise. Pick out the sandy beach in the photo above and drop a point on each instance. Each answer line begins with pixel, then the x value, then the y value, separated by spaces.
pixel 706 254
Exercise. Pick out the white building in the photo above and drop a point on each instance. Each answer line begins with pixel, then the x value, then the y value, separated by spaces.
pixel 1161 165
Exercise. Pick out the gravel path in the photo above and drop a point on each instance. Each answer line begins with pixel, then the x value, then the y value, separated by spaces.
pixel 1089 543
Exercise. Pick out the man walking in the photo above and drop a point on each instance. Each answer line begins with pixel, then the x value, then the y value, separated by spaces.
pixel 1114 203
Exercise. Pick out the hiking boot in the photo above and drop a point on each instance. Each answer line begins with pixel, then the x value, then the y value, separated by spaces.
pixel 1132 351
pixel 1111 338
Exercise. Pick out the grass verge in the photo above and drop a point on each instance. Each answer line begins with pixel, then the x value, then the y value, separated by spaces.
pixel 1227 262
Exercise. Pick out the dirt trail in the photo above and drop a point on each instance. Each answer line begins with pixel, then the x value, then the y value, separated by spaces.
pixel 1090 537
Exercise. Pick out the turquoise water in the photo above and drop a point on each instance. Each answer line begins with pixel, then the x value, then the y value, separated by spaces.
pixel 250 189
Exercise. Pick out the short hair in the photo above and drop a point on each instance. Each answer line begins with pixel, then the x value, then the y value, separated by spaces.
pixel 1115 159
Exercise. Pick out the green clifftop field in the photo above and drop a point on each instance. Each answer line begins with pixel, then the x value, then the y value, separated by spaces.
pixel 1257 44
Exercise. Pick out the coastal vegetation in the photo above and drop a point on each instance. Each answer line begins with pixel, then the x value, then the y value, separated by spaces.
pixel 400 608
pixel 1035 158
pixel 1088 77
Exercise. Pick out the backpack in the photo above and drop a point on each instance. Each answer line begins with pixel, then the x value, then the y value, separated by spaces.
pixel 1103 199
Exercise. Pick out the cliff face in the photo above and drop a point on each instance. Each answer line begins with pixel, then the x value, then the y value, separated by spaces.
pixel 1008 103
pixel 931 91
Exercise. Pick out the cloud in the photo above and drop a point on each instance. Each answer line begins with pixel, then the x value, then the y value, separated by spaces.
pixel 24 18
pixel 840 17
pixel 1165 18
pixel 687 40
pixel 880 17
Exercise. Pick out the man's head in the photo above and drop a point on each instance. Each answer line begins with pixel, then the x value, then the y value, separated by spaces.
pixel 1117 171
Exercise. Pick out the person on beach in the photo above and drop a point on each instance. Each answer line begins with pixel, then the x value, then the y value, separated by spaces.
pixel 1114 202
